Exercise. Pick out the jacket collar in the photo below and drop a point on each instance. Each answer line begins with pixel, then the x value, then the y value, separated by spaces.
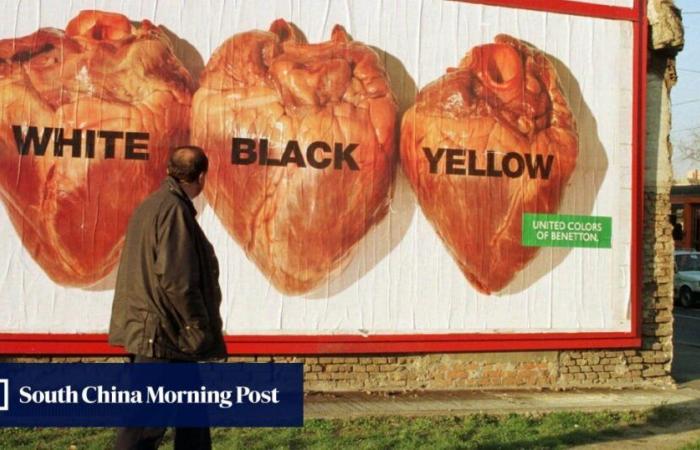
pixel 173 186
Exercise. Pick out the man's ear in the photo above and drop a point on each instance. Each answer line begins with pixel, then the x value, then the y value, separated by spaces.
pixel 200 180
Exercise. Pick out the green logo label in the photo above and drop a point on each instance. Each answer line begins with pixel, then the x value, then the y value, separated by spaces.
pixel 558 230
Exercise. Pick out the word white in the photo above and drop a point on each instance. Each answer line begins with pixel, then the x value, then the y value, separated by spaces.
pixel 135 143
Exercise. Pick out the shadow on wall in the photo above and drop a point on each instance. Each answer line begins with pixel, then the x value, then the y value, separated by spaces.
pixel 385 236
pixel 581 193
pixel 107 283
pixel 187 54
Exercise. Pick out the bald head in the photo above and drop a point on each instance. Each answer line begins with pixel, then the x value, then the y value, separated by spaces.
pixel 187 163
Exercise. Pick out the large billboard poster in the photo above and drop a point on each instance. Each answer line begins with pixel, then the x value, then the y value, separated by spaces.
pixel 398 171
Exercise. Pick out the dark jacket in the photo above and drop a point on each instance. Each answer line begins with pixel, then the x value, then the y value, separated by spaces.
pixel 166 303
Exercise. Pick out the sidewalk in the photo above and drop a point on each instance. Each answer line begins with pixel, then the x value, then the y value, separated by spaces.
pixel 349 405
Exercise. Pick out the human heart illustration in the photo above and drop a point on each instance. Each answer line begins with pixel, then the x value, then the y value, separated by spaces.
pixel 301 144
pixel 484 144
pixel 87 117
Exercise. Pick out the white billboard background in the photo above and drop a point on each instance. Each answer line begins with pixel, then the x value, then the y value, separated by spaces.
pixel 401 279
pixel 621 3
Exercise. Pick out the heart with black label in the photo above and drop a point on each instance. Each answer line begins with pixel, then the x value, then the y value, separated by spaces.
pixel 301 144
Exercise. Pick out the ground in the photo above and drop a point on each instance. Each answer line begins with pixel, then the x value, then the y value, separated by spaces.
pixel 684 431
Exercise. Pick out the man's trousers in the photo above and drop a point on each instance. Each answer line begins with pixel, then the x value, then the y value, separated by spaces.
pixel 149 438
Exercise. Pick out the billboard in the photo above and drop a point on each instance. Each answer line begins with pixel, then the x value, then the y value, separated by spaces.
pixel 395 176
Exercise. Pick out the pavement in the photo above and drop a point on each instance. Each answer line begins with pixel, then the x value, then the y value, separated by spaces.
pixel 352 405
pixel 684 399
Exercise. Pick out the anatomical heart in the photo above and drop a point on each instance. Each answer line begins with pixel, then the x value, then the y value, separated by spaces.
pixel 87 116
pixel 301 144
pixel 484 144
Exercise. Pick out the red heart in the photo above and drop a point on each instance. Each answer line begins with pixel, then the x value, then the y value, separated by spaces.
pixel 102 74
pixel 509 147
pixel 272 90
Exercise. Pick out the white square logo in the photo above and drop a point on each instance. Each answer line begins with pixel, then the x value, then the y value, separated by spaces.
pixel 4 395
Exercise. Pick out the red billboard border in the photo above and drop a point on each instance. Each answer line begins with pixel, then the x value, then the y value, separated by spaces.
pixel 96 344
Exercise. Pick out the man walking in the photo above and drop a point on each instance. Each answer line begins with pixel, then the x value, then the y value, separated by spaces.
pixel 167 298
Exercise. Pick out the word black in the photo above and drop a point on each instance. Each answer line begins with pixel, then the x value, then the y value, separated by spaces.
pixel 318 154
